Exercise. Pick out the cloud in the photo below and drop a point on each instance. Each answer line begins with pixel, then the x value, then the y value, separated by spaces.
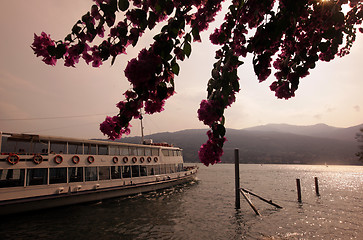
pixel 330 109
pixel 356 108
pixel 317 116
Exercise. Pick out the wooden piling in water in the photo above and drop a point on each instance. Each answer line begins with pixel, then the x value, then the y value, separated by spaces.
pixel 237 181
pixel 261 198
pixel 298 190
pixel 317 187
pixel 250 203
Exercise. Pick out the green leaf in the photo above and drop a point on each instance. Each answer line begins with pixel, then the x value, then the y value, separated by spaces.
pixel 323 46
pixel 187 49
pixel 60 50
pixel 235 85
pixel 220 130
pixel 113 60
pixel 175 68
pixel 76 29
pixel 51 50
pixel 123 5
pixel 68 38
pixel 215 73
pixel 142 17
pixel 188 38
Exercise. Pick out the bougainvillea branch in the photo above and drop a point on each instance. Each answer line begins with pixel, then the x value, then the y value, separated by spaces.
pixel 288 36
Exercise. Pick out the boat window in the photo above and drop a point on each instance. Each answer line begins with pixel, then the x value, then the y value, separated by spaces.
pixel 104 173
pixel 57 175
pixel 75 148
pixel 143 171
pixel 75 174
pixel 132 151
pixel 39 147
pixel 91 173
pixel 37 176
pixel 140 152
pixel 151 170
pixel 126 171
pixel 90 149
pixel 11 177
pixel 172 168
pixel 162 169
pixel 157 169
pixel 165 152
pixel 15 146
pixel 114 150
pixel 180 167
pixel 155 151
pixel 135 171
pixel 116 172
pixel 5 145
pixel 102 150
pixel 124 151
pixel 147 152
pixel 60 147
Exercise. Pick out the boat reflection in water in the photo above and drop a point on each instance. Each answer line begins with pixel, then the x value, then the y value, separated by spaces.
pixel 38 172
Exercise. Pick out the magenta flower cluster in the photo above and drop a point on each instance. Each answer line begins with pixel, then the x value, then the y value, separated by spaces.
pixel 289 36
pixel 211 151
pixel 40 47
pixel 208 112
pixel 140 71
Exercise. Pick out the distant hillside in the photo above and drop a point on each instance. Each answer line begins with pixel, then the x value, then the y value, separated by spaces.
pixel 274 143
pixel 318 130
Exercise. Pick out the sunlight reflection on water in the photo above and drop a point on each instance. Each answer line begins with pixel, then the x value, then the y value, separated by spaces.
pixel 205 209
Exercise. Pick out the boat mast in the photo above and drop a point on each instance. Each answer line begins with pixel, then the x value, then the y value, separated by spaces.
pixel 142 130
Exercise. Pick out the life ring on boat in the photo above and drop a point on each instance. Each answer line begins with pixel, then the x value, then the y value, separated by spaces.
pixel 134 159
pixel 13 158
pixel 148 159
pixel 90 159
pixel 58 159
pixel 156 159
pixel 37 159
pixel 75 159
pixel 125 159
pixel 142 159
pixel 115 160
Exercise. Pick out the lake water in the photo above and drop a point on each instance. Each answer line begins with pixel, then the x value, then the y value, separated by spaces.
pixel 205 209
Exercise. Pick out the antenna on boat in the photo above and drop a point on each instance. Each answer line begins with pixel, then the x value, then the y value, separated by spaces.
pixel 142 129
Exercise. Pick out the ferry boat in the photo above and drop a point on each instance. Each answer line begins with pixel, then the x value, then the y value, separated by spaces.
pixel 38 172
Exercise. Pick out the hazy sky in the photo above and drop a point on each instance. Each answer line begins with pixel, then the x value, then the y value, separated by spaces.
pixel 73 101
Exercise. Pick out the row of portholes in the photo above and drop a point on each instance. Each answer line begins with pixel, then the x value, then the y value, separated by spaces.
pixel 91 159
pixel 37 159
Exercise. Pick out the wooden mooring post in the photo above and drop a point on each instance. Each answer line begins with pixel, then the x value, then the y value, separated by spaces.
pixel 298 190
pixel 317 187
pixel 236 176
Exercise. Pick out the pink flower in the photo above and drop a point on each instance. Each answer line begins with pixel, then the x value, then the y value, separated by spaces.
pixel 113 129
pixel 211 151
pixel 282 90
pixel 207 112
pixel 154 106
pixel 40 48
pixel 140 71
pixel 108 128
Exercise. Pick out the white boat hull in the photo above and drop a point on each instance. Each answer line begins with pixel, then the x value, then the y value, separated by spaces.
pixel 71 198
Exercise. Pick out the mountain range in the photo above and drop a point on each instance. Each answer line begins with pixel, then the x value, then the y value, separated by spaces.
pixel 272 144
